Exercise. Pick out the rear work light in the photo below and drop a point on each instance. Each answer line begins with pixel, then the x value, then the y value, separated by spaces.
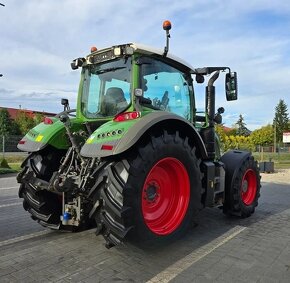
pixel 127 116
pixel 47 121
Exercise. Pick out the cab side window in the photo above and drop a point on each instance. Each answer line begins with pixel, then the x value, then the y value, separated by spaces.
pixel 166 87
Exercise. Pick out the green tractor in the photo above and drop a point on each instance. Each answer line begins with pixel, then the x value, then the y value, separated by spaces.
pixel 135 159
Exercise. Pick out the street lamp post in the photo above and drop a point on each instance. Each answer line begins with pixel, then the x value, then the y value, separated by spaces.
pixel 3 135
pixel 275 138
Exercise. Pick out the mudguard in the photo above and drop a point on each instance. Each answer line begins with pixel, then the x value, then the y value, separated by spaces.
pixel 232 160
pixel 47 134
pixel 113 138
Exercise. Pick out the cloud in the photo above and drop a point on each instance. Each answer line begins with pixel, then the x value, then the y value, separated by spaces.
pixel 40 38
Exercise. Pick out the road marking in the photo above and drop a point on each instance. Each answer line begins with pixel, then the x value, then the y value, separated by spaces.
pixel 10 204
pixel 9 188
pixel 25 237
pixel 176 268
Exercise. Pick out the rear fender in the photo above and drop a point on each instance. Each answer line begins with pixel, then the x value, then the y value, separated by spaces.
pixel 43 135
pixel 102 143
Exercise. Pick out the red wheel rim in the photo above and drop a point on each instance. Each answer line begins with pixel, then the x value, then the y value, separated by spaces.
pixel 249 187
pixel 165 196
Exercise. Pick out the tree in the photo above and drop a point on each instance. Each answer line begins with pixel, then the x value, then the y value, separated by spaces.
pixel 263 136
pixel 38 118
pixel 24 121
pixel 5 127
pixel 5 122
pixel 242 130
pixel 281 119
pixel 238 142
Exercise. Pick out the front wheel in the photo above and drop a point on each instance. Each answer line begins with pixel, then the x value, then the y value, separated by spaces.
pixel 242 197
pixel 153 192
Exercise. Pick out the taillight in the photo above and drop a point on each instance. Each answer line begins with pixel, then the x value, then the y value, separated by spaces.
pixel 127 116
pixel 22 142
pixel 47 121
pixel 107 147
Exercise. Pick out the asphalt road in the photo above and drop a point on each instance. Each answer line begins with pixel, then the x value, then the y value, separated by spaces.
pixel 14 221
pixel 216 249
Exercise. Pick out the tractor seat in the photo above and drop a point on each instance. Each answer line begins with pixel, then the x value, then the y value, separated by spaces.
pixel 114 101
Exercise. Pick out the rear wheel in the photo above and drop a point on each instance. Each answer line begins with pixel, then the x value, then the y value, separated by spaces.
pixel 45 207
pixel 153 193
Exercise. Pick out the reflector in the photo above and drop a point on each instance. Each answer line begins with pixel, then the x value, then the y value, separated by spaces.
pixel 106 147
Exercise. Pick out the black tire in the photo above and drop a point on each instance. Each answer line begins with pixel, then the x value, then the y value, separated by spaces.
pixel 242 197
pixel 45 207
pixel 129 193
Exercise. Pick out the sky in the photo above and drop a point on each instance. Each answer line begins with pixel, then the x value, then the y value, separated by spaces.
pixel 39 39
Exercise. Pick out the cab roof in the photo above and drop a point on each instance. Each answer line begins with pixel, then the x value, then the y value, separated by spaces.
pixel 142 49
pixel 151 50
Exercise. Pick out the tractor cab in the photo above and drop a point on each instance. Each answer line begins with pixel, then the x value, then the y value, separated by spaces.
pixel 132 77
pixel 136 78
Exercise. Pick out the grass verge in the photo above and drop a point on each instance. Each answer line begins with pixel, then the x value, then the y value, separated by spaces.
pixel 14 162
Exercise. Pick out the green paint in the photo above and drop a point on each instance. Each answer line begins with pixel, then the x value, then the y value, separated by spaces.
pixel 53 134
pixel 111 130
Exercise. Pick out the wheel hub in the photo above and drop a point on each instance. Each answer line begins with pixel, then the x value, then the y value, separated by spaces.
pixel 245 186
pixel 151 193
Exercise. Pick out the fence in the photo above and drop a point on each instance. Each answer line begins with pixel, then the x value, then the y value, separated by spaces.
pixel 279 148
pixel 280 156
pixel 9 143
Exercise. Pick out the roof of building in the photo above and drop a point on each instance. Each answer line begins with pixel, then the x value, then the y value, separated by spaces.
pixel 14 111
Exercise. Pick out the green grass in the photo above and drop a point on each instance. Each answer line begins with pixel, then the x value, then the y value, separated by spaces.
pixel 15 158
pixel 266 156
pixel 15 166
pixel 282 166
pixel 14 162
pixel 281 160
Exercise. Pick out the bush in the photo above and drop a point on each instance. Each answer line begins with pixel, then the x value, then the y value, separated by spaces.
pixel 237 142
pixel 4 164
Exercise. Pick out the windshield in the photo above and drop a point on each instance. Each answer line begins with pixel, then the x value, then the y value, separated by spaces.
pixel 106 89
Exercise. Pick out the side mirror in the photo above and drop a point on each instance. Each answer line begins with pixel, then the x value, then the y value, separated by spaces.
pixel 231 85
pixel 64 102
pixel 76 63
pixel 199 78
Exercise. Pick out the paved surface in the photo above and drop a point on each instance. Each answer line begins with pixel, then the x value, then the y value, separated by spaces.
pixel 217 249
pixel 14 220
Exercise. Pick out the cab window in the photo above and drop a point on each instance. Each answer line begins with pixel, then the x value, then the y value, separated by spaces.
pixel 166 87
